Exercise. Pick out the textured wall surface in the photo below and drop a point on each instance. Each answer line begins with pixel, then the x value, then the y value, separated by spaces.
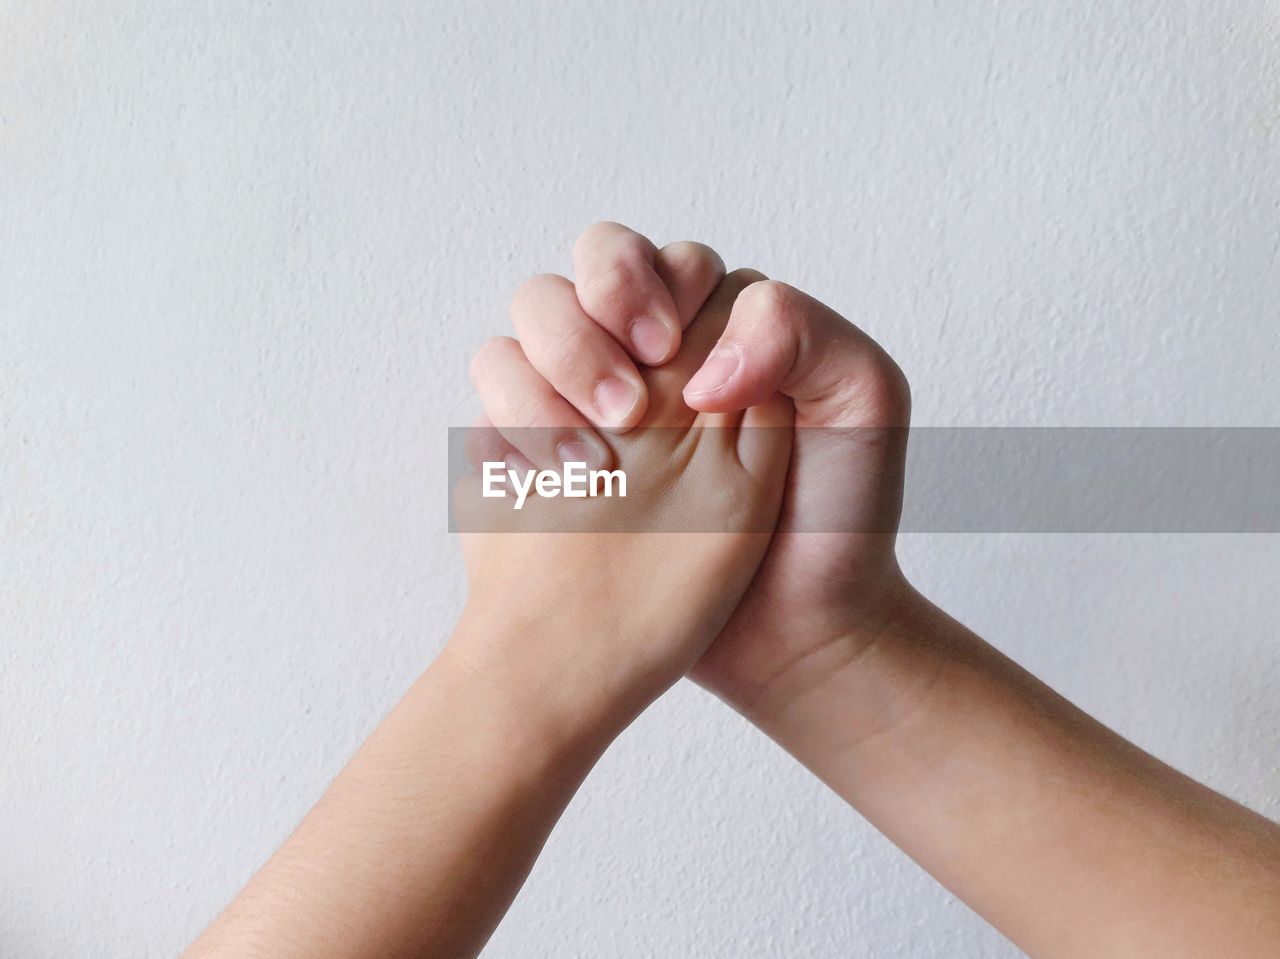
pixel 246 249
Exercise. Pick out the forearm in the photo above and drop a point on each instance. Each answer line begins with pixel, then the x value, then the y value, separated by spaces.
pixel 1066 837
pixel 420 844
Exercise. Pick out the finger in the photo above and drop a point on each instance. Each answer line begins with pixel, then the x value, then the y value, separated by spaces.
pixel 778 340
pixel 666 382
pixel 531 416
pixel 764 439
pixel 691 271
pixel 701 337
pixel 619 287
pixel 781 340
pixel 484 444
pixel 578 358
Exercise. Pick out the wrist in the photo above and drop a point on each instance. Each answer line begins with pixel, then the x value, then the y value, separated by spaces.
pixel 875 667
pixel 521 663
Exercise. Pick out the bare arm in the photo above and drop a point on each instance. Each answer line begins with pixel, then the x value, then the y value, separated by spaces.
pixel 420 844
pixel 1070 840
pixel 1066 837
pixel 426 836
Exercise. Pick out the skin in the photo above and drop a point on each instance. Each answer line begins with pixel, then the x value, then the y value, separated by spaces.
pixel 420 844
pixel 1070 840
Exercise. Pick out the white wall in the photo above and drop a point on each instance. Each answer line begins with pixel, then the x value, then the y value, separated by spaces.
pixel 246 249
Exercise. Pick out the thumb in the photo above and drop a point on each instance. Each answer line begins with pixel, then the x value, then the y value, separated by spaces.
pixel 845 388
pixel 779 340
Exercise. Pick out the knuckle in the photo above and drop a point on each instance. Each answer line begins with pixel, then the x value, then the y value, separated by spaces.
pixel 901 389
pixel 611 292
pixel 886 390
pixel 772 297
pixel 692 258
pixel 577 344
pixel 596 233
pixel 532 290
pixel 745 278
pixel 562 347
pixel 492 350
pixel 881 393
pixel 631 246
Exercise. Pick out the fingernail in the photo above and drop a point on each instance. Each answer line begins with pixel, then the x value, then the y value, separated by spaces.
pixel 715 373
pixel 614 398
pixel 582 451
pixel 651 339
